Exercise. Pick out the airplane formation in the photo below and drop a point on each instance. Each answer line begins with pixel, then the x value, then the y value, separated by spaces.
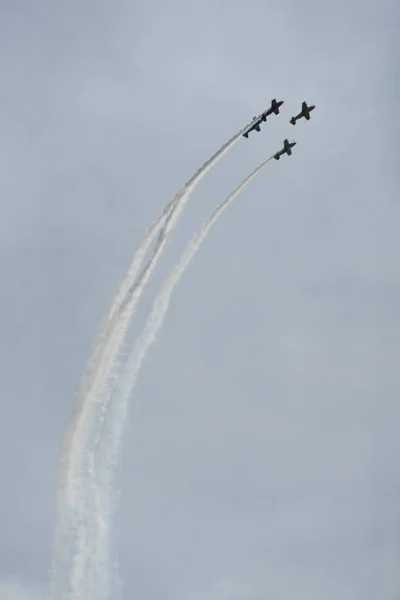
pixel 274 109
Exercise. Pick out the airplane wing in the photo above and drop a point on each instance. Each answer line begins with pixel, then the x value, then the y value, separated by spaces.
pixel 257 127
pixel 307 116
pixel 288 151
pixel 304 106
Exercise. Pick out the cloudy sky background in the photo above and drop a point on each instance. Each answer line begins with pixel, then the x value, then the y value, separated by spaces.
pixel 261 454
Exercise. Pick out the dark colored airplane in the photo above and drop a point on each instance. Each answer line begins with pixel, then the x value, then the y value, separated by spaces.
pixel 274 109
pixel 255 125
pixel 285 150
pixel 305 112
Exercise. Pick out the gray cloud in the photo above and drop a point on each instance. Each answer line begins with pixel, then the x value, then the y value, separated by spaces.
pixel 260 455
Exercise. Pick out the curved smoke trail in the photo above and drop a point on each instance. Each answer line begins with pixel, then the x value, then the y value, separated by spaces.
pixel 66 490
pixel 161 303
pixel 117 303
pixel 153 324
pixel 97 552
pixel 76 464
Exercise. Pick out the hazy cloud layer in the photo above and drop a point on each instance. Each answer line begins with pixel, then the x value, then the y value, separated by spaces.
pixel 260 459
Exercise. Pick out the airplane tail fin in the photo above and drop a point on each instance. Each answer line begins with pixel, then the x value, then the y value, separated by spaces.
pixel 246 135
pixel 293 121
pixel 276 157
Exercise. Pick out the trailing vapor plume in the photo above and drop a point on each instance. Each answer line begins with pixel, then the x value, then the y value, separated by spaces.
pixel 114 425
pixel 82 517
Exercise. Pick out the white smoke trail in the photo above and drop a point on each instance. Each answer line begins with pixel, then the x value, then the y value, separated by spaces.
pixel 134 289
pixel 130 277
pixel 67 502
pixel 107 373
pixel 130 288
pixel 161 303
pixel 76 463
pixel 153 324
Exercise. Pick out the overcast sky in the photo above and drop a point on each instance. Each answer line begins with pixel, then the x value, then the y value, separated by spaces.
pixel 261 455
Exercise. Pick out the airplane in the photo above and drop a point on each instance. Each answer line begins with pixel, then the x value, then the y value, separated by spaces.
pixel 305 112
pixel 255 125
pixel 274 109
pixel 285 150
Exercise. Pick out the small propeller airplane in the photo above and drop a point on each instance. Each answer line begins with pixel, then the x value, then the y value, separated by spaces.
pixel 305 112
pixel 255 125
pixel 285 150
pixel 273 109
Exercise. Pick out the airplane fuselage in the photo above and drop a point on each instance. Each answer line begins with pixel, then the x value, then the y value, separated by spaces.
pixel 304 113
pixel 273 109
pixel 254 126
pixel 279 154
pixel 287 149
